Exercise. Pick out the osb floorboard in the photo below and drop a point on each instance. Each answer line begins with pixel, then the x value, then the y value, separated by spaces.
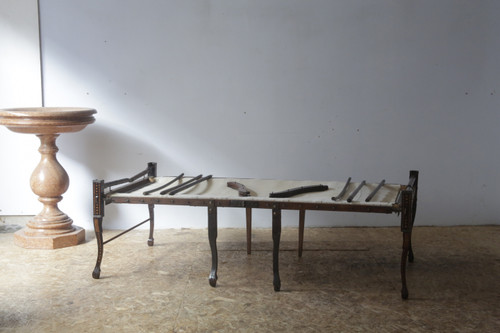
pixel 347 281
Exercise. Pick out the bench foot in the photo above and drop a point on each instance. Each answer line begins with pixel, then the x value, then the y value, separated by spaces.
pixel 96 273
pixel 404 293
pixel 212 279
pixel 277 283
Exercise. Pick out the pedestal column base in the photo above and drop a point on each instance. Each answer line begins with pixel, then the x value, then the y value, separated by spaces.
pixel 49 242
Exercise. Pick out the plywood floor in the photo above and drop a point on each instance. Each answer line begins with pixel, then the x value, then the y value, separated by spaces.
pixel 347 281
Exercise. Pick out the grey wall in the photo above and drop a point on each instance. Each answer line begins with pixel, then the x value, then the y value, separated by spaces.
pixel 20 86
pixel 318 90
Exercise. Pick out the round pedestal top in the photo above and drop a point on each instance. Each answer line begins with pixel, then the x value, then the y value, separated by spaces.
pixel 46 120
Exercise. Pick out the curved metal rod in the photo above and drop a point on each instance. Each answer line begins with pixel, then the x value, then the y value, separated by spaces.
pixel 341 194
pixel 180 185
pixel 186 186
pixel 369 197
pixel 353 194
pixel 163 186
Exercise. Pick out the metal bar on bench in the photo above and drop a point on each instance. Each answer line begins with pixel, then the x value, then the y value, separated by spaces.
pixel 163 186
pixel 186 186
pixel 353 194
pixel 341 194
pixel 139 185
pixel 124 232
pixel 180 185
pixel 131 187
pixel 126 180
pixel 379 186
pixel 298 190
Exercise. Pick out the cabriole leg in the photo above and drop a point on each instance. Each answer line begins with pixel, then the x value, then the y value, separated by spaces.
pixel 100 247
pixel 404 258
pixel 276 247
pixel 407 216
pixel 98 209
pixel 212 238
pixel 411 258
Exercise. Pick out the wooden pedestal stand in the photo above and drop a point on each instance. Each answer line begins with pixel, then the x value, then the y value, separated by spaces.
pixel 51 228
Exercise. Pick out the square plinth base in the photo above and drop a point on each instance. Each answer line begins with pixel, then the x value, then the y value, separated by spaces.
pixel 49 242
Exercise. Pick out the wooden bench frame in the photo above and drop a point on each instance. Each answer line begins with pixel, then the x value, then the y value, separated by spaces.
pixel 104 194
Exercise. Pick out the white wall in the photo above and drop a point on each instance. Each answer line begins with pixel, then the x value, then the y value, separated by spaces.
pixel 318 90
pixel 20 86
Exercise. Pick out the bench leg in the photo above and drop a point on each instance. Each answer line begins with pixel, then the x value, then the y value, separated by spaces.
pixel 302 217
pixel 407 252
pixel 408 202
pixel 100 246
pixel 212 238
pixel 151 208
pixel 249 230
pixel 411 257
pixel 276 247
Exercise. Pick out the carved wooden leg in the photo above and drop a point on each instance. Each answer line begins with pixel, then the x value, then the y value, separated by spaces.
pixel 212 238
pixel 100 246
pixel 404 257
pixel 249 230
pixel 98 209
pixel 411 258
pixel 302 217
pixel 407 217
pixel 276 247
pixel 151 208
